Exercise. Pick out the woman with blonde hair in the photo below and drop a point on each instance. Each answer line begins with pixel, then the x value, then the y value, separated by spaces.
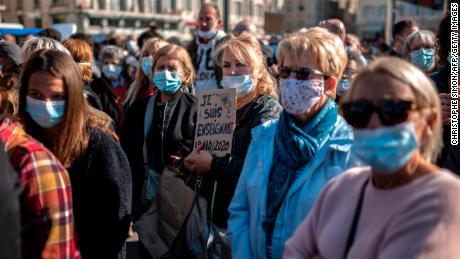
pixel 291 159
pixel 242 62
pixel 403 205
pixel 164 123
pixel 54 111
pixel 142 86
pixel 420 49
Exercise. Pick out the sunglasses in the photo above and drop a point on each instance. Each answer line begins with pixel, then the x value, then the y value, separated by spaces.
pixel 302 73
pixel 390 112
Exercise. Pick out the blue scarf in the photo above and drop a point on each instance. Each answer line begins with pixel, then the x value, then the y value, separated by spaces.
pixel 294 148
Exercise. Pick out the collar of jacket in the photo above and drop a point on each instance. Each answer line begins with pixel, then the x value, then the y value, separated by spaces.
pixel 170 107
pixel 339 139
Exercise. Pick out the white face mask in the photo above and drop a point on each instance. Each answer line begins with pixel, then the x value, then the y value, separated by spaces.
pixel 298 96
pixel 242 83
pixel 207 34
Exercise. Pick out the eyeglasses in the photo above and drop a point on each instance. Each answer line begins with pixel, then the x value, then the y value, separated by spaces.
pixel 302 73
pixel 391 112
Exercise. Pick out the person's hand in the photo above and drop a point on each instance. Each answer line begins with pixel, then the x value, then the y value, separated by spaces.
pixel 199 161
pixel 445 108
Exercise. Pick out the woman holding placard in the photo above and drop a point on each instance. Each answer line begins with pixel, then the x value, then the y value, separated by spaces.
pixel 291 159
pixel 160 126
pixel 242 63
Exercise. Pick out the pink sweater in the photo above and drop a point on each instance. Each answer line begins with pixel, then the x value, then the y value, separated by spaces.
pixel 418 220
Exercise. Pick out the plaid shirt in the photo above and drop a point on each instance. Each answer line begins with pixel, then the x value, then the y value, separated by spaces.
pixel 46 198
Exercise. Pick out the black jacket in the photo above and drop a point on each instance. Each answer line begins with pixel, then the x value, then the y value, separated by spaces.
pixel 9 208
pixel 102 191
pixel 226 170
pixel 107 98
pixel 179 134
pixel 441 79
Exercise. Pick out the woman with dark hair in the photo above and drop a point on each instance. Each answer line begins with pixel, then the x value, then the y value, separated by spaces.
pixel 54 111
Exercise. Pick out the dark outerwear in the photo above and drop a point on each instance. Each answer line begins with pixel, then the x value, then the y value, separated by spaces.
pixel 108 98
pixel 9 209
pixel 179 133
pixel 102 191
pixel 440 79
pixel 92 98
pixel 226 170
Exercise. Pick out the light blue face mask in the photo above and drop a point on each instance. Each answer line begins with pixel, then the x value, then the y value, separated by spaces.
pixel 343 86
pixel 385 149
pixel 423 58
pixel 146 65
pixel 167 82
pixel 46 114
pixel 242 83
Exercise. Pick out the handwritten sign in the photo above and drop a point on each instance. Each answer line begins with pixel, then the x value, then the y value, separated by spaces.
pixel 216 120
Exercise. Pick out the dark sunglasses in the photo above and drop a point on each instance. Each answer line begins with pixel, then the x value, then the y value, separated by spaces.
pixel 391 112
pixel 302 73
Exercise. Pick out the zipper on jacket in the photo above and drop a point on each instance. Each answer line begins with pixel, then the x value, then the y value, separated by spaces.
pixel 162 135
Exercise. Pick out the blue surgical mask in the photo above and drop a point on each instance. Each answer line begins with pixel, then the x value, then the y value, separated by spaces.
pixel 167 82
pixel 242 83
pixel 343 86
pixel 423 58
pixel 207 34
pixel 146 65
pixel 111 71
pixel 46 114
pixel 385 149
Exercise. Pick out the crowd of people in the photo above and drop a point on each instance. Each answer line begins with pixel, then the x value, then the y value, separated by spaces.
pixel 337 152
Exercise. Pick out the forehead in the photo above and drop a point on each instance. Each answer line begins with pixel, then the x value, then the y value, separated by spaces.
pixel 409 30
pixel 171 58
pixel 378 86
pixel 45 82
pixel 208 12
pixel 302 58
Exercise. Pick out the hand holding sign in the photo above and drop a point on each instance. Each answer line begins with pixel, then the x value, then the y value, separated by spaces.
pixel 214 130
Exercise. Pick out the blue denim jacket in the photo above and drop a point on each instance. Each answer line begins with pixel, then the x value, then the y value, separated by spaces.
pixel 248 206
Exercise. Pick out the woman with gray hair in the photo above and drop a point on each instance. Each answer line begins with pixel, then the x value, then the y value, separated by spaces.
pixel 419 48
pixel 38 43
pixel 403 205
pixel 112 67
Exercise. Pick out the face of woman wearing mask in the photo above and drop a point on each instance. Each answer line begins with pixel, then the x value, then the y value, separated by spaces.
pixel 390 118
pixel 168 74
pixel 422 54
pixel 305 104
pixel 240 75
pixel 45 99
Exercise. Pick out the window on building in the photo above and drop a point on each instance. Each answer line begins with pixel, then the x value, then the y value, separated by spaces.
pixel 113 22
pixel 141 5
pixel 95 21
pixel 123 5
pixel 238 8
pixel 115 5
pixel 130 23
pixel 260 10
pixel 250 8
pixel 36 2
pixel 59 18
pixel 158 7
pixel 101 4
pixel 188 5
pixel 19 4
pixel 38 22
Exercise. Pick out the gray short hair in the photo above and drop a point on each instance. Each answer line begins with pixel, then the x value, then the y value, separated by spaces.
pixel 38 43
pixel 112 52
pixel 427 36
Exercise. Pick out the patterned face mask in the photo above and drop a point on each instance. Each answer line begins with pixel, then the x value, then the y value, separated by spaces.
pixel 298 96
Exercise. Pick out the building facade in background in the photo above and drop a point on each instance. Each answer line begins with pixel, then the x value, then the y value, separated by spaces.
pixel 172 17
pixel 371 17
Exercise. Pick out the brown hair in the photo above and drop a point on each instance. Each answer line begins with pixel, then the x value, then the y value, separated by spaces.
pixel 81 53
pixel 247 50
pixel 72 133
pixel 184 59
